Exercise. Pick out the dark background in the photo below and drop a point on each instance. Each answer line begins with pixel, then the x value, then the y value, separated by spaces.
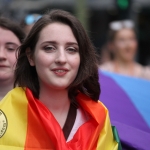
pixel 95 16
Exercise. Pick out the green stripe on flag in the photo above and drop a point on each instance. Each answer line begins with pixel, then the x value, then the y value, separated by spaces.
pixel 116 137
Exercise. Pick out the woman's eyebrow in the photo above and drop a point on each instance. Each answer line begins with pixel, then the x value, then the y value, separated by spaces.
pixel 72 43
pixel 50 42
pixel 54 42
pixel 11 43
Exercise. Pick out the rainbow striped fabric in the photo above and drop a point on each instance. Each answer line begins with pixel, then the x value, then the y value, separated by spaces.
pixel 26 124
pixel 128 101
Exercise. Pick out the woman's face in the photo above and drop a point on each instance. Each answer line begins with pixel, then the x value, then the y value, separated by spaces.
pixel 125 44
pixel 8 45
pixel 56 57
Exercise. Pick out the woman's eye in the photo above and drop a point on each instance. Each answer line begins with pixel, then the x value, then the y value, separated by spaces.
pixel 11 49
pixel 72 50
pixel 49 48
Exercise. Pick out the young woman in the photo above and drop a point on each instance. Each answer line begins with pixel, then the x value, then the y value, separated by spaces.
pixel 11 37
pixel 122 39
pixel 56 106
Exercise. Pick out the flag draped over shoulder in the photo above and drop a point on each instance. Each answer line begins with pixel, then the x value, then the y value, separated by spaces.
pixel 128 102
pixel 26 124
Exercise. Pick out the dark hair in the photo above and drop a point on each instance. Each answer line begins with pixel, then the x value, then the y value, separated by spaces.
pixel 13 27
pixel 86 80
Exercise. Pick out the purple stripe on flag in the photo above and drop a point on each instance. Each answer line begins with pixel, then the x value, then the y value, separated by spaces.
pixel 124 115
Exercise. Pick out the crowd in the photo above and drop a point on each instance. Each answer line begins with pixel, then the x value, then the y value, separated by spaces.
pixel 49 90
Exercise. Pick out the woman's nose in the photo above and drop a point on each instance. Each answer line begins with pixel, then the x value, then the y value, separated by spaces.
pixel 61 56
pixel 2 53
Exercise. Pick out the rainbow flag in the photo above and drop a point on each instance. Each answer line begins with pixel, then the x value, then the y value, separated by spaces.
pixel 26 124
pixel 128 102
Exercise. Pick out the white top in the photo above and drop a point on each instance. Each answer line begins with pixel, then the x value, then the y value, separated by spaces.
pixel 81 118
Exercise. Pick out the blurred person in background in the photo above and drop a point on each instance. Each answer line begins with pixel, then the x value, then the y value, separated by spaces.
pixel 11 36
pixel 29 21
pixel 123 43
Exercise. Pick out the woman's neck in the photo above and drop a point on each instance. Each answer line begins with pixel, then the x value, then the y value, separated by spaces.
pixel 5 87
pixel 57 102
pixel 124 67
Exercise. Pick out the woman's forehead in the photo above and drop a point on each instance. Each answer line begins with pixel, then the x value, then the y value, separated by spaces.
pixel 7 36
pixel 57 32
pixel 125 32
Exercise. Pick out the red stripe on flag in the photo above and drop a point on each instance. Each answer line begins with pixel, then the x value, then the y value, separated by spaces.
pixel 37 136
pixel 45 132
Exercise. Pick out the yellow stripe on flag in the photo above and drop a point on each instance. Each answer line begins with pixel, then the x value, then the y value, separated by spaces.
pixel 106 140
pixel 10 106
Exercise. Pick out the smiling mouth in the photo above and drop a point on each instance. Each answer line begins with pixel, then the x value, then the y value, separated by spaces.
pixel 60 72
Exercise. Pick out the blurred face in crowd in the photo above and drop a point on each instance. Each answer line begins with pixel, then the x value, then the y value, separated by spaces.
pixel 56 57
pixel 125 44
pixel 8 45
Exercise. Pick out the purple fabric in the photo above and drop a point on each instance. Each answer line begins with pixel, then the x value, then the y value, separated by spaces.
pixel 133 130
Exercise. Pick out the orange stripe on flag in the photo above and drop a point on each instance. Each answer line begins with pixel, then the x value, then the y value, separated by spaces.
pixel 98 115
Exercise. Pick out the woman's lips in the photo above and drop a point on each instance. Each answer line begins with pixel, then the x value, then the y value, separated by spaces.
pixel 60 71
pixel 3 66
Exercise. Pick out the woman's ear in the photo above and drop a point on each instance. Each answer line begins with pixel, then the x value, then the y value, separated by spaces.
pixel 30 57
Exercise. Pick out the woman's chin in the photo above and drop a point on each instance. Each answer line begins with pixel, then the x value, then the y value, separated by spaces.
pixel 59 87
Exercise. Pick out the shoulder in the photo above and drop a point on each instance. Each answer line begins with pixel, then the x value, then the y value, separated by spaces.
pixel 93 108
pixel 100 103
pixel 142 72
pixel 108 66
pixel 86 100
pixel 18 92
pixel 147 72
pixel 15 95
